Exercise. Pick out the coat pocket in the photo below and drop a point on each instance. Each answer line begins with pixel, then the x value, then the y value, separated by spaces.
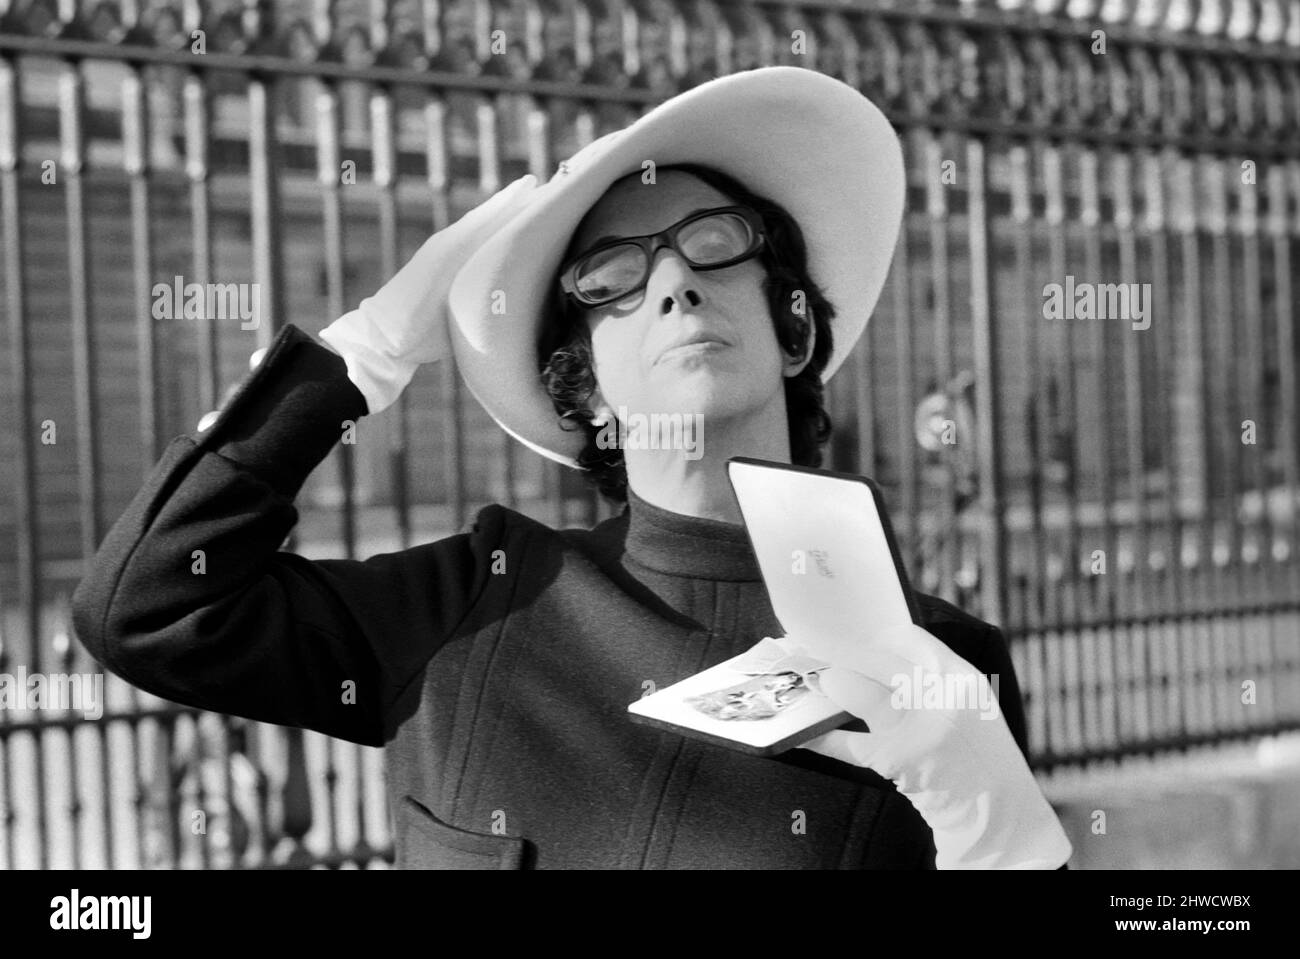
pixel 426 842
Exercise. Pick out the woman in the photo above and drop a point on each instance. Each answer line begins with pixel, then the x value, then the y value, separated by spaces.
pixel 667 268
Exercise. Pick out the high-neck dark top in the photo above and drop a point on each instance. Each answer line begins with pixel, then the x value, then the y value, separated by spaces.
pixel 495 665
pixel 661 541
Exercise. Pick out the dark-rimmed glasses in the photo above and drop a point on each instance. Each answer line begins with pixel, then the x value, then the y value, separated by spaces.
pixel 706 240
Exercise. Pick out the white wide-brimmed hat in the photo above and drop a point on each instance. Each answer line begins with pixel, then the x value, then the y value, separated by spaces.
pixel 800 138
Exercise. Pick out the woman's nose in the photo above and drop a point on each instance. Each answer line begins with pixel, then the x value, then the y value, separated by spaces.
pixel 672 281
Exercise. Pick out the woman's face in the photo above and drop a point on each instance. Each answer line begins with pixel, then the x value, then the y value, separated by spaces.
pixel 640 361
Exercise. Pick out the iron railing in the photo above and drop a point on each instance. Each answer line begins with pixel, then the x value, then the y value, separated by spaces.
pixel 1092 487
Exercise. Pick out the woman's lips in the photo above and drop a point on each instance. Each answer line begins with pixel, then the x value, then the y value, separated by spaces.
pixel 692 345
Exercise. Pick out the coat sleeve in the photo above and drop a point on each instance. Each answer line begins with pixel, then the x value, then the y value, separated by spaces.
pixel 189 596
pixel 997 665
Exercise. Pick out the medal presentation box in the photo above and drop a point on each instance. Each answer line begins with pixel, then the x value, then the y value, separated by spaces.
pixel 834 575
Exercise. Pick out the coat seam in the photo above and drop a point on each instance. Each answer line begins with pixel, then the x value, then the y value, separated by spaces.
pixel 487 673
pixel 419 669
pixel 675 762
pixel 886 797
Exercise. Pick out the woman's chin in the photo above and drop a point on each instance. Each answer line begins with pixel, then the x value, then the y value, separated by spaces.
pixel 708 401
pixel 698 385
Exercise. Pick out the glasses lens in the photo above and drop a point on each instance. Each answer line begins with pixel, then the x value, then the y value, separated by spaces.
pixel 616 271
pixel 610 273
pixel 715 239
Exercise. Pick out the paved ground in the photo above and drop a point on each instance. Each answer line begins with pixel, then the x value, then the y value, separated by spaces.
pixel 1233 807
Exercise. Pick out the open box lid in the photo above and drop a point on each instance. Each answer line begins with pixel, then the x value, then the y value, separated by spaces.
pixel 826 550
pixel 832 571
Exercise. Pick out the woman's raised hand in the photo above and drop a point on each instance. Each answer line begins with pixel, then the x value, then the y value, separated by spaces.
pixel 404 324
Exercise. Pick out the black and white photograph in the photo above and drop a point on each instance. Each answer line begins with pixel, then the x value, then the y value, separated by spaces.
pixel 378 378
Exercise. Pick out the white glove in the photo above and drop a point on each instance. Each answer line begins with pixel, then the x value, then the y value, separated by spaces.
pixel 958 765
pixel 404 324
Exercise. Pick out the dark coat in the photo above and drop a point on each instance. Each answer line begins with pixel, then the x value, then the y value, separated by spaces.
pixel 494 665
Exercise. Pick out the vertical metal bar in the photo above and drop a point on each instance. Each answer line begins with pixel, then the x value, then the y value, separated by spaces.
pixel 296 803
pixel 1252 365
pixel 1189 576
pixel 230 731
pixel 1054 212
pixel 1284 229
pixel 189 791
pixel 72 161
pixel 489 183
pixel 1141 655
pixel 197 140
pixel 1103 695
pixel 1284 575
pixel 1098 592
pixel 328 175
pixel 1138 596
pixel 64 655
pixel 1071 706
pixel 1097 585
pixel 1167 222
pixel 384 173
pixel 993 541
pixel 1288 415
pixel 1236 356
pixel 135 154
pixel 1202 577
pixel 937 208
pixel 1035 419
pixel 905 378
pixel 200 790
pixel 7 766
pixel 1063 643
pixel 1037 592
pixel 1225 424
pixel 26 542
pixel 453 438
pixel 1130 595
pixel 267 213
pixel 264 750
pixel 1040 702
pixel 1135 588
pixel 171 797
pixel 1057 726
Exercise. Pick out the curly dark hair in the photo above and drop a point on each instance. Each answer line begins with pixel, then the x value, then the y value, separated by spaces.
pixel 567 370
